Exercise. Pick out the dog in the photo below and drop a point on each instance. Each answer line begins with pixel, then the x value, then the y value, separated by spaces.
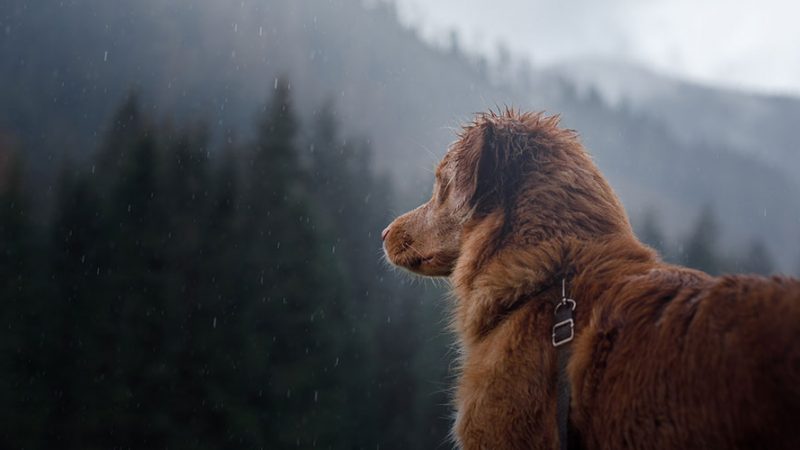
pixel 661 356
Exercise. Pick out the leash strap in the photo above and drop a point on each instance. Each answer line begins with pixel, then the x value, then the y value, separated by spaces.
pixel 563 333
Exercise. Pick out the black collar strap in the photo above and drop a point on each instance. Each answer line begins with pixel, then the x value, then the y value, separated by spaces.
pixel 563 333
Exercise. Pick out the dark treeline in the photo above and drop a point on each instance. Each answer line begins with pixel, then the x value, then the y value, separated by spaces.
pixel 701 248
pixel 178 297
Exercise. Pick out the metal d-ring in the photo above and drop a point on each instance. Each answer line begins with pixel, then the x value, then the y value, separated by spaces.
pixel 564 302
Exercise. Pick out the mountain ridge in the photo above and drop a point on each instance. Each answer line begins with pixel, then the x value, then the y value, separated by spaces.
pixel 217 63
pixel 751 123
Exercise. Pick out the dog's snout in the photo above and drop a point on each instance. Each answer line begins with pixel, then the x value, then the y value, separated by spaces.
pixel 384 233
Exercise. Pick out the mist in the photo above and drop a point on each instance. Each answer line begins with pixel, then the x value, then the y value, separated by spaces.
pixel 192 195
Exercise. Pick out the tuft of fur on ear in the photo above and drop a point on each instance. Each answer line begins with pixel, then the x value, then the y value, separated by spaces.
pixel 495 152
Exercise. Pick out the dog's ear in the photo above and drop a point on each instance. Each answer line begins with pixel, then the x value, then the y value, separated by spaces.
pixel 489 166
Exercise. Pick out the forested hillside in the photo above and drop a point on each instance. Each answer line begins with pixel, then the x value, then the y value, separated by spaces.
pixel 204 60
pixel 185 298
pixel 756 125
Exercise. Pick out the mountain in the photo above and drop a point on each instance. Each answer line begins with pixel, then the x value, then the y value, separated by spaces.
pixel 663 143
pixel 757 125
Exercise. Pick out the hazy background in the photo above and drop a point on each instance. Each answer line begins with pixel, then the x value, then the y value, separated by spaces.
pixel 750 45
pixel 192 192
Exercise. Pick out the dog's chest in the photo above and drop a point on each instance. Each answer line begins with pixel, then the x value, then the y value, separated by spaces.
pixel 506 397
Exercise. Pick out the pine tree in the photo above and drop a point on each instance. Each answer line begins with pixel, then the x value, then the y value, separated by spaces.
pixel 74 355
pixel 189 304
pixel 757 259
pixel 650 232
pixel 391 406
pixel 223 324
pixel 22 307
pixel 295 313
pixel 701 244
pixel 131 282
pixel 127 128
pixel 341 189
pixel 16 226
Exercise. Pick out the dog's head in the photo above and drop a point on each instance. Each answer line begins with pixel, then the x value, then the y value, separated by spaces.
pixel 513 178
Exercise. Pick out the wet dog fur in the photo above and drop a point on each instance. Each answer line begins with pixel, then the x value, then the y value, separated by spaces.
pixel 664 357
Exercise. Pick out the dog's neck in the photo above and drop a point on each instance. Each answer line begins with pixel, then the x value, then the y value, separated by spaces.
pixel 489 287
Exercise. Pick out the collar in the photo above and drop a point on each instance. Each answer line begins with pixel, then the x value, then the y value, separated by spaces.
pixel 563 334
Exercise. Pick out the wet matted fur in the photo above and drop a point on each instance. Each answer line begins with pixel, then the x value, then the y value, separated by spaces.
pixel 664 357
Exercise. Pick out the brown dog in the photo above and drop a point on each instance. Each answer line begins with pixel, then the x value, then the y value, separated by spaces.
pixel 664 357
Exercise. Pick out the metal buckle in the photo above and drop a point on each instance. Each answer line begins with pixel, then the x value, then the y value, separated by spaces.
pixel 569 303
pixel 564 323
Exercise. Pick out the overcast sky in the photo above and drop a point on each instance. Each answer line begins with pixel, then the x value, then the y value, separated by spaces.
pixel 746 44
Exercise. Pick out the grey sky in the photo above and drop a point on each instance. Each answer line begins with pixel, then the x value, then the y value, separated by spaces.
pixel 753 44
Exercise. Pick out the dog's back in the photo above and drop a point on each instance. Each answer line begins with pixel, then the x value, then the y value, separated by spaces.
pixel 676 359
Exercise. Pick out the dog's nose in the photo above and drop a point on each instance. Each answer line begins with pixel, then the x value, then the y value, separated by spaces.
pixel 384 233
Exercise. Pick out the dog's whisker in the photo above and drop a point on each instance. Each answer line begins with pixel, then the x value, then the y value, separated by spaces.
pixel 409 245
